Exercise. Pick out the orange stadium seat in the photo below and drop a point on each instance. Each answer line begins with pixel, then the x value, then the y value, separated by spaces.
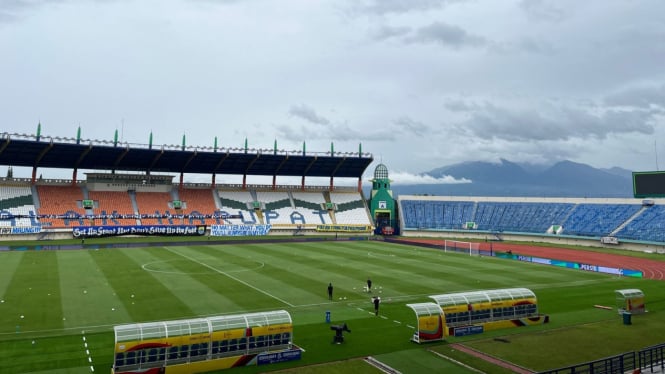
pixel 59 200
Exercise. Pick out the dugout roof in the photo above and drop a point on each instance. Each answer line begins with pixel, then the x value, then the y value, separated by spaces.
pixel 484 296
pixel 208 325
pixel 67 153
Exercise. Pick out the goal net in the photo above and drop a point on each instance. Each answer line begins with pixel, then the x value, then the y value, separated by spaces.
pixel 473 249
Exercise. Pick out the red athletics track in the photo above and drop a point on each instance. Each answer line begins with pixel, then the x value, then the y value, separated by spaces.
pixel 651 269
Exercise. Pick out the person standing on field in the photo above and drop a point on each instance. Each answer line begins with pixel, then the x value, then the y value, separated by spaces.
pixel 376 300
pixel 330 291
pixel 369 285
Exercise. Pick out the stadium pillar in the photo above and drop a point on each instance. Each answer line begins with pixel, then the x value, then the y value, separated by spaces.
pixel 213 179
pixel 34 175
pixel 181 179
pixel 302 183
pixel 360 184
pixel 274 181
pixel 74 177
pixel 244 181
pixel 331 183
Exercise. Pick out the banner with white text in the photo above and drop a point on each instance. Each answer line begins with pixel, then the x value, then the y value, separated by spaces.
pixel 161 230
pixel 239 230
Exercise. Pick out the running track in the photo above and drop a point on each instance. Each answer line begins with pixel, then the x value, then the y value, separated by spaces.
pixel 651 269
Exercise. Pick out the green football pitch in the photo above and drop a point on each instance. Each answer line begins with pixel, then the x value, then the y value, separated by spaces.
pixel 58 308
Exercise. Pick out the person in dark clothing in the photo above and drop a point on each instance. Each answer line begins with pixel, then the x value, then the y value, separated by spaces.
pixel 369 285
pixel 330 291
pixel 376 300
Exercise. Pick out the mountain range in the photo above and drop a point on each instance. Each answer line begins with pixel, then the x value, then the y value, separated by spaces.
pixel 509 179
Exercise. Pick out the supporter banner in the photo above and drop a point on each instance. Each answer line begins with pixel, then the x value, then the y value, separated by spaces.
pixel 344 228
pixel 20 230
pixel 176 230
pixel 239 230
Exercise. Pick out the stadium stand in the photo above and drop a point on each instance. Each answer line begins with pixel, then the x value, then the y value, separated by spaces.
pixel 235 202
pixel 648 226
pixel 520 217
pixel 112 206
pixel 277 206
pixel 624 219
pixel 61 200
pixel 199 201
pixel 16 206
pixel 308 204
pixel 350 208
pixel 596 220
pixel 153 206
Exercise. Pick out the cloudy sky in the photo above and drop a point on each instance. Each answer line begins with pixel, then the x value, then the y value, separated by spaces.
pixel 419 83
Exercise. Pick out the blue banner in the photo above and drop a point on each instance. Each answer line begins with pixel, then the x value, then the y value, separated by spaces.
pixel 468 330
pixel 282 356
pixel 164 230
pixel 573 265
pixel 17 230
pixel 239 230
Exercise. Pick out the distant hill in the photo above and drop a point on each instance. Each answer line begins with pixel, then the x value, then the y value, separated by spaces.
pixel 563 179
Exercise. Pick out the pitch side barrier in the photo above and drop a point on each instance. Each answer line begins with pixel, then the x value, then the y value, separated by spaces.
pixel 248 240
pixel 646 360
pixel 442 246
pixel 536 260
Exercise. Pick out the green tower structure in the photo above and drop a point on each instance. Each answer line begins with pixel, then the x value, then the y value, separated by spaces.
pixel 382 203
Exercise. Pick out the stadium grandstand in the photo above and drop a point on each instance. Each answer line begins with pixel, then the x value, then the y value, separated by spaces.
pixel 143 185
pixel 133 186
pixel 630 223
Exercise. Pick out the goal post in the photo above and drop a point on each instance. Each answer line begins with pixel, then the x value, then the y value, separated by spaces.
pixel 471 248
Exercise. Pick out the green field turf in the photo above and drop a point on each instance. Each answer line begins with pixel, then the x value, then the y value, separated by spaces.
pixel 58 308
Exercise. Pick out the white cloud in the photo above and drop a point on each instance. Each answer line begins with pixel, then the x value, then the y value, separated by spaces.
pixel 405 178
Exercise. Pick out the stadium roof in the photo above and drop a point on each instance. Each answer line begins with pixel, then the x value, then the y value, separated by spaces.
pixel 67 153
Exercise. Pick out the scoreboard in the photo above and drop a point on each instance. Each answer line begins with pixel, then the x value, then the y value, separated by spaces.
pixel 649 184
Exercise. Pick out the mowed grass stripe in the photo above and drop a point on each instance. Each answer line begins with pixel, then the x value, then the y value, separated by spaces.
pixel 202 290
pixel 274 282
pixel 86 296
pixel 8 265
pixel 433 273
pixel 126 277
pixel 350 268
pixel 48 354
pixel 347 270
pixel 27 295
pixel 316 266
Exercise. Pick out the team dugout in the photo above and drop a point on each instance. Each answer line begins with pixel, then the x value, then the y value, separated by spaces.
pixel 198 343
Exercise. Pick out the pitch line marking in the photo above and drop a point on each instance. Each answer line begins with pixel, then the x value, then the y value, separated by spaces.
pixel 147 267
pixel 231 276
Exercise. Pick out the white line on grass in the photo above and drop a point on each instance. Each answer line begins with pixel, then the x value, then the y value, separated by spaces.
pixel 87 351
pixel 230 276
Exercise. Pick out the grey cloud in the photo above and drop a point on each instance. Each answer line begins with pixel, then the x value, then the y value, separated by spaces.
pixel 11 10
pixel 554 124
pixel 343 132
pixel 447 35
pixel 543 10
pixel 383 7
pixel 526 45
pixel 458 105
pixel 408 125
pixel 640 97
pixel 309 114
pixel 387 32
